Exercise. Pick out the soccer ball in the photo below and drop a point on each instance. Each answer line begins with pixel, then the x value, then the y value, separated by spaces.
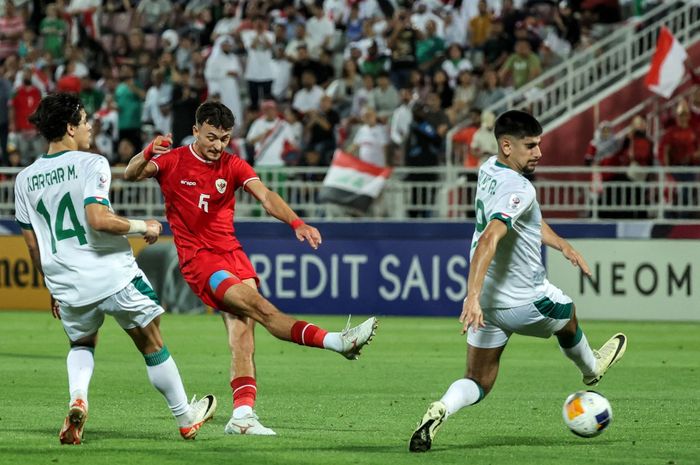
pixel 587 413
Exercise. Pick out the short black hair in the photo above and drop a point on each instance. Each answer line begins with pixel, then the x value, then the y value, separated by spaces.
pixel 216 114
pixel 55 113
pixel 518 124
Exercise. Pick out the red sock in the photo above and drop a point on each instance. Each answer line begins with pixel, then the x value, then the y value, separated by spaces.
pixel 244 391
pixel 307 334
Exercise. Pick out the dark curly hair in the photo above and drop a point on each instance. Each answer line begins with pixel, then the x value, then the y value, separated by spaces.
pixel 215 113
pixel 54 113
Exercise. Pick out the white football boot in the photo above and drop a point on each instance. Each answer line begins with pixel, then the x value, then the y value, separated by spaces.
pixel 354 339
pixel 607 356
pixel 423 436
pixel 202 410
pixel 249 424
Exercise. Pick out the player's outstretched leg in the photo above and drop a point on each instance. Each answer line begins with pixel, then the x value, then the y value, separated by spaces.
pixel 607 356
pixel 241 299
pixel 423 436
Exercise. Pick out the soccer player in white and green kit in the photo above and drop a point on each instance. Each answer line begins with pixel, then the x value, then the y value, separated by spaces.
pixel 507 291
pixel 78 243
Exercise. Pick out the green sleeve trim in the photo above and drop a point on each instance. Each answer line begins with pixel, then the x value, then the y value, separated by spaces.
pixel 100 200
pixel 27 226
pixel 505 218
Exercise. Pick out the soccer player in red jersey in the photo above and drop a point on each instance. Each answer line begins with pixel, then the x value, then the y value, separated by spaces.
pixel 198 182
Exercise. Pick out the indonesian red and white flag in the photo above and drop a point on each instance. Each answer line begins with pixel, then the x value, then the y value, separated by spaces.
pixel 667 65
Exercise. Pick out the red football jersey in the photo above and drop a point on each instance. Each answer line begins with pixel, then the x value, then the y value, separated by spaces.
pixel 199 199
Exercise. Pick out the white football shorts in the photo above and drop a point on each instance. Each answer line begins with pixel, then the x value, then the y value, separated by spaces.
pixel 541 318
pixel 134 306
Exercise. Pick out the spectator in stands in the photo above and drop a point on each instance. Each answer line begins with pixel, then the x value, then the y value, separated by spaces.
pixel 430 49
pixel 129 99
pixel 496 48
pixel 371 139
pixel 24 102
pixel 271 137
pixel 90 96
pixel 567 24
pixel 303 63
pixel 386 98
pixel 401 121
pixel 463 140
pixel 419 85
pixel 480 26
pixel 231 20
pixel 294 43
pixel 12 26
pixel 5 97
pixel 342 90
pixel 454 30
pixel 260 68
pixel 424 149
pixel 402 43
pixel 422 16
pixel 221 72
pixel 679 147
pixel 69 81
pixel 520 67
pixel 14 160
pixel 152 15
pixel 309 96
pixel 455 63
pixel 364 97
pixel 326 70
pixel 637 154
pixel 121 51
pixel 53 31
pixel 484 144
pixel 441 87
pixel 185 103
pixel 320 32
pixel 464 96
pixel 604 150
pixel 490 91
pixel 353 24
pixel 320 129
pixel 374 62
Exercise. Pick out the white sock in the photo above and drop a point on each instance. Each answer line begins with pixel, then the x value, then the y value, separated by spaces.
pixel 242 411
pixel 462 393
pixel 165 377
pixel 332 341
pixel 582 355
pixel 80 363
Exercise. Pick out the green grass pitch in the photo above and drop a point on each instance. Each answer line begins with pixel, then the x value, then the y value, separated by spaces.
pixel 327 410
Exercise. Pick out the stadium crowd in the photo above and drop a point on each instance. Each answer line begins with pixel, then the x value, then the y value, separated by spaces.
pixel 383 79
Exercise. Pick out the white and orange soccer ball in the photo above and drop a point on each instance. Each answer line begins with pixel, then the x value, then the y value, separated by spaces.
pixel 587 413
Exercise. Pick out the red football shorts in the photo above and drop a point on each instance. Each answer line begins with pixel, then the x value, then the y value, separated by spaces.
pixel 210 274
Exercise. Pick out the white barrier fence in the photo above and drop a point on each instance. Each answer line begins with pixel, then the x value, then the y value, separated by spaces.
pixel 444 193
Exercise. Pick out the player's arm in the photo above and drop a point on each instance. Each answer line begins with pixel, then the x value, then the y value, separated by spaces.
pixel 100 218
pixel 139 167
pixel 275 206
pixel 553 240
pixel 481 260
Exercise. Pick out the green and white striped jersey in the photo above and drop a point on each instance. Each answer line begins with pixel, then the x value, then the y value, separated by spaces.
pixel 81 265
pixel 516 275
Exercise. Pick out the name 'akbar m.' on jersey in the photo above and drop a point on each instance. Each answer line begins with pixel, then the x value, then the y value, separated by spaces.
pixel 516 275
pixel 200 199
pixel 81 265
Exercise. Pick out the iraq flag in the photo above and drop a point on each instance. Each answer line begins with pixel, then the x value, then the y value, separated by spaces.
pixel 352 182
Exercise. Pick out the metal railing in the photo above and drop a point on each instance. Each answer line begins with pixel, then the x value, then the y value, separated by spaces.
pixel 443 193
pixel 605 67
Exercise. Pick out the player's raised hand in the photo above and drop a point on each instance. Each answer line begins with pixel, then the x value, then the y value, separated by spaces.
pixel 55 310
pixel 158 146
pixel 153 230
pixel 310 234
pixel 576 259
pixel 471 315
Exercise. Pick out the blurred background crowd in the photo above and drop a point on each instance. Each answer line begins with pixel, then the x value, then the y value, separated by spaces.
pixel 382 79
